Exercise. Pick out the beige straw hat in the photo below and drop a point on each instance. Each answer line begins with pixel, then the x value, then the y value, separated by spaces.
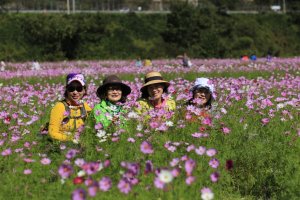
pixel 153 78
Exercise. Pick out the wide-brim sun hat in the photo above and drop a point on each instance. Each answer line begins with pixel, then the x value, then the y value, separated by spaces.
pixel 203 83
pixel 154 78
pixel 110 81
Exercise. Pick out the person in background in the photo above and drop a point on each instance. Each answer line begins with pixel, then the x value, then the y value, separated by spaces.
pixel 112 94
pixel 138 63
pixel 147 63
pixel 154 94
pixel 68 116
pixel 186 62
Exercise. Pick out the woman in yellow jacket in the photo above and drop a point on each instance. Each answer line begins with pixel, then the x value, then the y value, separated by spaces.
pixel 68 116
pixel 154 95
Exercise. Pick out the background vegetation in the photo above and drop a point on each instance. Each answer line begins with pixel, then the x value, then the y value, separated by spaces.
pixel 201 32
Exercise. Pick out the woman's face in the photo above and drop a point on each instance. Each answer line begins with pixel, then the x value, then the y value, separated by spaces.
pixel 155 91
pixel 203 95
pixel 114 93
pixel 75 92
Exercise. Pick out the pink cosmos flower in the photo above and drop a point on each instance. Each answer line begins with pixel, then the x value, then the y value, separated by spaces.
pixel 98 126
pixel 190 148
pixel 211 152
pixel 6 152
pixel 132 140
pixel 158 184
pixel 200 150
pixel 214 177
pixel 226 130
pixel 189 166
pixel 28 160
pixel 174 162
pixel 175 172
pixel 92 190
pixel 45 161
pixel 79 194
pixel 65 171
pixel 189 180
pixel 105 184
pixel 214 163
pixel 124 186
pixel 146 148
pixel 27 171
pixel 265 121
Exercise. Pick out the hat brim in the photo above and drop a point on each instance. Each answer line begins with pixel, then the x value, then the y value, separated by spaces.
pixel 166 83
pixel 200 86
pixel 126 90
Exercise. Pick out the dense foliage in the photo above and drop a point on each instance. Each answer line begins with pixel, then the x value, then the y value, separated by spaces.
pixel 201 32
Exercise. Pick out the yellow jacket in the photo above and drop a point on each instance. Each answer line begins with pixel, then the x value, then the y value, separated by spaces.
pixel 145 106
pixel 63 131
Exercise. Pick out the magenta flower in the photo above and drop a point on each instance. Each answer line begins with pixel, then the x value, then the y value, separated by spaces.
pixel 92 190
pixel 189 166
pixel 124 186
pixel 211 152
pixel 45 161
pixel 189 180
pixel 214 163
pixel 6 152
pixel 214 177
pixel 105 184
pixel 158 184
pixel 65 171
pixel 226 130
pixel 229 164
pixel 265 121
pixel 148 167
pixel 200 150
pixel 71 153
pixel 175 172
pixel 146 148
pixel 27 171
pixel 79 194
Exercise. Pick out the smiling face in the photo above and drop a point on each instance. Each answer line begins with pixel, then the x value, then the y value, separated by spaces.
pixel 75 92
pixel 202 94
pixel 114 93
pixel 155 91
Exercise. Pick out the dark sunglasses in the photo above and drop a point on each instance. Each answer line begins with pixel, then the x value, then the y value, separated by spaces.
pixel 73 88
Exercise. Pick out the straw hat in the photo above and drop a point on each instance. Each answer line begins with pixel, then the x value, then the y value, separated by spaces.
pixel 113 80
pixel 153 78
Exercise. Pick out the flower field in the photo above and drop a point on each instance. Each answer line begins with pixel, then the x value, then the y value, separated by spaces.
pixel 249 150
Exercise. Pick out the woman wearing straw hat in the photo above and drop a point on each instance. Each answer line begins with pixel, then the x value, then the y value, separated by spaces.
pixel 113 94
pixel 154 94
pixel 69 115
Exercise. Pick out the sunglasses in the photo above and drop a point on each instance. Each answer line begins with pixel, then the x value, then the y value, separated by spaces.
pixel 73 88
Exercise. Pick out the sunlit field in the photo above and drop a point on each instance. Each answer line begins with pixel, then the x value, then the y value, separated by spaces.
pixel 249 150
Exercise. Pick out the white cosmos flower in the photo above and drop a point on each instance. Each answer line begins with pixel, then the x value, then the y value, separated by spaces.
pixel 133 115
pixel 207 196
pixel 169 123
pixel 139 127
pixel 81 173
pixel 103 140
pixel 101 133
pixel 165 176
pixel 280 105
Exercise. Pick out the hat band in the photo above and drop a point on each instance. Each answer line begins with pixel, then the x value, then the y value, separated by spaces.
pixel 153 78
